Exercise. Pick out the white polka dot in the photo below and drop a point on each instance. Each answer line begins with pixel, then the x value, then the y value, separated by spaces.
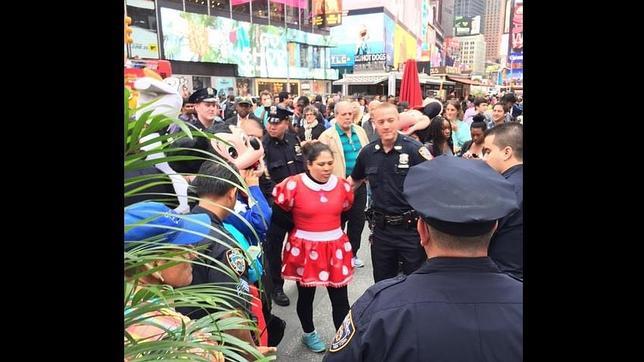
pixel 345 204
pixel 314 255
pixel 347 246
pixel 290 204
pixel 288 246
pixel 323 199
pixel 280 198
pixel 300 271
pixel 283 268
pixel 324 275
pixel 345 270
pixel 274 192
pixel 332 261
pixel 295 251
pixel 291 185
pixel 347 186
pixel 338 254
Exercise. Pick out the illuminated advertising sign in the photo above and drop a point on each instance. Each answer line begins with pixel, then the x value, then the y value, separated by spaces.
pixel 258 50
pixel 404 46
pixel 358 35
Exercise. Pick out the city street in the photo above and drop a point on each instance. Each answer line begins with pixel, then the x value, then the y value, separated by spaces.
pixel 291 347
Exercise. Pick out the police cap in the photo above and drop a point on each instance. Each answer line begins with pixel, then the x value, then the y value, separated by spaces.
pixel 203 95
pixel 458 196
pixel 278 114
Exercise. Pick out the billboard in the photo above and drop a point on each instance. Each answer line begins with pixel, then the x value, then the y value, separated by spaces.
pixel 516 27
pixel 465 25
pixel 144 29
pixel 405 46
pixel 358 35
pixel 258 50
pixel 326 12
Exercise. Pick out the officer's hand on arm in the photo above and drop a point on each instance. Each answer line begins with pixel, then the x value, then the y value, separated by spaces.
pixel 354 184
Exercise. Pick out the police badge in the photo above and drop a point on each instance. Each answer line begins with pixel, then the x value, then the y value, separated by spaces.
pixel 344 334
pixel 403 160
pixel 425 153
pixel 236 261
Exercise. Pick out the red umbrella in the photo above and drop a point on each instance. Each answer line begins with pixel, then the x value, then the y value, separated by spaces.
pixel 410 86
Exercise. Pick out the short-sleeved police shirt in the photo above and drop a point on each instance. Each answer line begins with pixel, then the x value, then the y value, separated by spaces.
pixel 450 309
pixel 386 172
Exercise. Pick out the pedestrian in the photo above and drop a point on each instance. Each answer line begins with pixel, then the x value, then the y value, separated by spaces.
pixel 346 139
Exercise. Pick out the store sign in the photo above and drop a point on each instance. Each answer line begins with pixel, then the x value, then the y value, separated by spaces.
pixel 444 70
pixel 370 62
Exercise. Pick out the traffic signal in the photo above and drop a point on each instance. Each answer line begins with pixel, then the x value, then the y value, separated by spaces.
pixel 128 30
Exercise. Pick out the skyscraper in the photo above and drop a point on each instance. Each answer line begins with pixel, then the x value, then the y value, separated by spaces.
pixel 494 12
pixel 447 17
pixel 470 8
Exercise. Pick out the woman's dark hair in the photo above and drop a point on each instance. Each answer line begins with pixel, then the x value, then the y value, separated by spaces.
pixel 436 133
pixel 312 150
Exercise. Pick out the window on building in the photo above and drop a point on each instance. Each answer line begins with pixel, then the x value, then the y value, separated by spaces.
pixel 200 82
pixel 304 55
pixel 306 18
pixel 277 13
pixel 172 4
pixel 197 6
pixel 260 9
pixel 292 15
pixel 219 8
pixel 241 11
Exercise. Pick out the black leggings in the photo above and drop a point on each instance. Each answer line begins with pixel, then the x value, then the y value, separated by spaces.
pixel 339 305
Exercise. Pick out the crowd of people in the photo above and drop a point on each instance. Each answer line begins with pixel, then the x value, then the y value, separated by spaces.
pixel 440 189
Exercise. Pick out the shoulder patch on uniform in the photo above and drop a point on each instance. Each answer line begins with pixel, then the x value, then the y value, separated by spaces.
pixel 425 153
pixel 236 261
pixel 344 334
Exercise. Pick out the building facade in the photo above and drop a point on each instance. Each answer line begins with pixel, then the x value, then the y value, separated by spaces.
pixel 239 47
pixel 494 19
pixel 472 50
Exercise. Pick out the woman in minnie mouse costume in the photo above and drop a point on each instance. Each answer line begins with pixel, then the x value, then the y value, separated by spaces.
pixel 318 252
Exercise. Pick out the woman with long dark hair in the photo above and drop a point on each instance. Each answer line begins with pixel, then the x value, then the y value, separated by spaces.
pixel 440 131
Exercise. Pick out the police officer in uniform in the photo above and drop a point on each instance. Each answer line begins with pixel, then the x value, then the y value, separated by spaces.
pixel 458 306
pixel 216 194
pixel 282 158
pixel 385 163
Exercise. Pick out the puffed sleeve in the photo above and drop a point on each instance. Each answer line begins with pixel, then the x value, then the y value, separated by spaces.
pixel 348 195
pixel 284 193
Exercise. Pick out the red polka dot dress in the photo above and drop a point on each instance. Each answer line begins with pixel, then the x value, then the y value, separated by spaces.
pixel 318 252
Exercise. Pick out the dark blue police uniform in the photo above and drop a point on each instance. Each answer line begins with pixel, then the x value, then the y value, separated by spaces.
pixel 394 236
pixel 282 158
pixel 506 246
pixel 229 254
pixel 452 308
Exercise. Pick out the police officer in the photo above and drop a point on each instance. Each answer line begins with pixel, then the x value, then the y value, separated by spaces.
pixel 207 110
pixel 217 194
pixel 385 163
pixel 458 306
pixel 282 158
